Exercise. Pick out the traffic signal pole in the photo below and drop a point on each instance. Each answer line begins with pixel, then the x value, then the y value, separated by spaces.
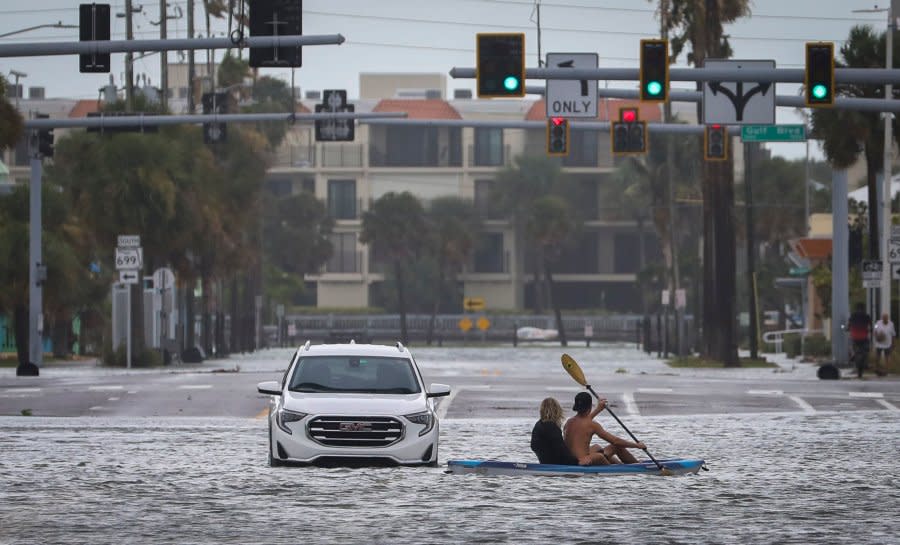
pixel 886 192
pixel 35 269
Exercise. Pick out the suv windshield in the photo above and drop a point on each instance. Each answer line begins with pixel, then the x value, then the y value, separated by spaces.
pixel 354 374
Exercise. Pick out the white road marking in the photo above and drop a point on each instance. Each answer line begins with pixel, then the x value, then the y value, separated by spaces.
pixel 888 405
pixel 195 386
pixel 866 394
pixel 105 388
pixel 630 405
pixel 807 408
pixel 655 390
pixel 132 391
pixel 22 390
pixel 112 399
pixel 96 408
pixel 563 389
pixel 442 409
pixel 765 392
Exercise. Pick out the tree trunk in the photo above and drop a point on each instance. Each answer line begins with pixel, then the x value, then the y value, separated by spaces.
pixel 725 265
pixel 205 337
pixel 709 285
pixel 401 300
pixel 189 315
pixel 873 167
pixel 436 306
pixel 235 344
pixel 563 341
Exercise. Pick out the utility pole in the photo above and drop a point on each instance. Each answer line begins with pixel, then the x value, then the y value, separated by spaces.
pixel 886 176
pixel 670 166
pixel 163 57
pixel 191 67
pixel 129 61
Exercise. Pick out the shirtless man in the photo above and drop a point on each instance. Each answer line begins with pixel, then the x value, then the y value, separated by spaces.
pixel 581 428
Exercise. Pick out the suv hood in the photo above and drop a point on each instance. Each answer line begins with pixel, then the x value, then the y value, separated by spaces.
pixel 354 404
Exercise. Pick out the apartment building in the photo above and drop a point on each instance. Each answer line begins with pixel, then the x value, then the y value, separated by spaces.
pixel 597 271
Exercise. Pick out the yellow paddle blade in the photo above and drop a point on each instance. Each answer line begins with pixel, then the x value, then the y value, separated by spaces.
pixel 571 367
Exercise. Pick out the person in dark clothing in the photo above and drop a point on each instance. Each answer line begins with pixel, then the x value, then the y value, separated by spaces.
pixel 546 436
pixel 860 324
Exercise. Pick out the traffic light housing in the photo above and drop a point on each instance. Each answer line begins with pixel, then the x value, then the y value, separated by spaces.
pixel 93 25
pixel 628 135
pixel 715 143
pixel 500 67
pixel 819 80
pixel 276 18
pixel 557 136
pixel 655 70
pixel 43 138
pixel 215 103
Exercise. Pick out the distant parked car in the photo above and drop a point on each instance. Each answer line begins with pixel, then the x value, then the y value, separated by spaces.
pixel 350 403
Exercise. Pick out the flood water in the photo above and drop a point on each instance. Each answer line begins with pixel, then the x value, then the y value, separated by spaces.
pixel 823 478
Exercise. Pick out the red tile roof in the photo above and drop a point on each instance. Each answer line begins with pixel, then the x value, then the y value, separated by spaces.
pixel 606 108
pixel 431 108
pixel 84 107
pixel 812 248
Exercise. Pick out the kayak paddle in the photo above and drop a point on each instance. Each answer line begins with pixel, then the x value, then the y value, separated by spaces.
pixel 571 367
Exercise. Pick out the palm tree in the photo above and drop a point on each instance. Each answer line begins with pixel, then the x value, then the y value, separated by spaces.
pixel 518 187
pixel 454 227
pixel 847 133
pixel 700 24
pixel 550 225
pixel 11 124
pixel 396 228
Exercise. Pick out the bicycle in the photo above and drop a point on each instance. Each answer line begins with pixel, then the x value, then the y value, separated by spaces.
pixel 859 356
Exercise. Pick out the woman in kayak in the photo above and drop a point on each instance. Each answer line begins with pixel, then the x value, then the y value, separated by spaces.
pixel 546 437
pixel 581 428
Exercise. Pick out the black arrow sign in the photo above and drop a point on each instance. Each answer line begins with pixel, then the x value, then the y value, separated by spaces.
pixel 571 64
pixel 739 99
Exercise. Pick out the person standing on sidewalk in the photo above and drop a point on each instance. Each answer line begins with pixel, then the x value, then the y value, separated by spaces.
pixel 883 333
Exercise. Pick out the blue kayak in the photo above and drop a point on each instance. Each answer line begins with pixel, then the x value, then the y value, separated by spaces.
pixel 676 466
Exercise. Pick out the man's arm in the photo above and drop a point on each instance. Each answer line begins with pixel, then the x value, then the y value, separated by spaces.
pixel 601 404
pixel 616 440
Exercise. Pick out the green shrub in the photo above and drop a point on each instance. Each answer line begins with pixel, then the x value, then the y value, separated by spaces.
pixel 118 358
pixel 816 346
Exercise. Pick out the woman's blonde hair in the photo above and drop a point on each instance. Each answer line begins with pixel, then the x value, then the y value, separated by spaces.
pixel 551 411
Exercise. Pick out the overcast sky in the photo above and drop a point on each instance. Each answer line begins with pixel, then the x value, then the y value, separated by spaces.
pixel 436 35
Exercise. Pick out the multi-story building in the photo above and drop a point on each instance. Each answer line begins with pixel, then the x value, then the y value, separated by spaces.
pixel 597 271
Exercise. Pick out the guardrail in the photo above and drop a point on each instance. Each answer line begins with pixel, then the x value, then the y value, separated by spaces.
pixel 777 337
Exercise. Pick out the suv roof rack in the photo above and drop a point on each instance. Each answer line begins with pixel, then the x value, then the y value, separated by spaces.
pixel 400 346
pixel 306 346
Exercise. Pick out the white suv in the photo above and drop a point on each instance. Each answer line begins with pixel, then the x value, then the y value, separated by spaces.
pixel 353 403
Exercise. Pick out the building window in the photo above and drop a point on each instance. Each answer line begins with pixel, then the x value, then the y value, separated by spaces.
pixel 627 258
pixel 342 199
pixel 420 147
pixel 485 203
pixel 489 256
pixel 344 254
pixel 280 187
pixel 308 185
pixel 488 147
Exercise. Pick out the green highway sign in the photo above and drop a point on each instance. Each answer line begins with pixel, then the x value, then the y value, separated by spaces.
pixel 773 133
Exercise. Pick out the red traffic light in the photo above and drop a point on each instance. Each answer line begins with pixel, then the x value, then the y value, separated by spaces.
pixel 629 116
pixel 557 120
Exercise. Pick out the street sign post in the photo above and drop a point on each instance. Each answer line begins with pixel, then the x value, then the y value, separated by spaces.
pixel 773 133
pixel 738 102
pixel 572 98
pixel 871 273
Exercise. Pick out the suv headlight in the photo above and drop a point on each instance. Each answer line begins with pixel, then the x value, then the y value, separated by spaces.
pixel 424 418
pixel 284 416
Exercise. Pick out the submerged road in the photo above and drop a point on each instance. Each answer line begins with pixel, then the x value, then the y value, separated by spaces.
pixel 486 383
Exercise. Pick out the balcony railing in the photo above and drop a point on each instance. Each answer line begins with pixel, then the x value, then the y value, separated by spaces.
pixel 485 159
pixel 350 262
pixel 342 155
pixel 295 156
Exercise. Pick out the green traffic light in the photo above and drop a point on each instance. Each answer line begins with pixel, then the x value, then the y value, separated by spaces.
pixel 511 83
pixel 819 91
pixel 654 88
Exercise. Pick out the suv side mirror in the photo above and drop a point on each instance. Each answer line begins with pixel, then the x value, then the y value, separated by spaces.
pixel 270 387
pixel 438 390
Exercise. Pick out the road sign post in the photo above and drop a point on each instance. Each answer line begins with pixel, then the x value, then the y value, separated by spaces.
pixel 871 273
pixel 572 98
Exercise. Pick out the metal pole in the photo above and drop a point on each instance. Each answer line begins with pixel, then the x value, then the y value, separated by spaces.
pixel 163 58
pixel 191 67
pixel 129 62
pixel 840 269
pixel 128 329
pixel 886 192
pixel 806 195
pixel 35 289
pixel 752 311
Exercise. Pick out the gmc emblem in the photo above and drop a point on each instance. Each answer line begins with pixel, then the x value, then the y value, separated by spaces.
pixel 356 426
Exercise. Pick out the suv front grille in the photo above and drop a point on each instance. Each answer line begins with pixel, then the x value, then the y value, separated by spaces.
pixel 355 431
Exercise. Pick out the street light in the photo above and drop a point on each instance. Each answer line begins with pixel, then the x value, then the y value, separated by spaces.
pixel 886 170
pixel 16 74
